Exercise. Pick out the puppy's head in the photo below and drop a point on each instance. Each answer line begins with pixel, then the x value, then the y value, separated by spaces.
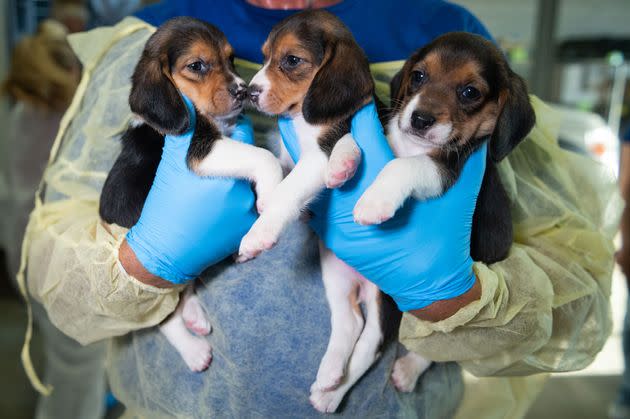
pixel 457 89
pixel 312 66
pixel 192 57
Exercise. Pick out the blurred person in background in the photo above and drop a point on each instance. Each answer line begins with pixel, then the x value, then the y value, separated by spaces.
pixel 43 76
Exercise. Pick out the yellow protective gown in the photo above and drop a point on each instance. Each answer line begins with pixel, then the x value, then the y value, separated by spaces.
pixel 544 308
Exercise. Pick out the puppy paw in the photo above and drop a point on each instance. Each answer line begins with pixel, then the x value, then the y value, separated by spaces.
pixel 267 183
pixel 341 167
pixel 262 236
pixel 373 209
pixel 195 317
pixel 326 401
pixel 330 374
pixel 407 370
pixel 197 354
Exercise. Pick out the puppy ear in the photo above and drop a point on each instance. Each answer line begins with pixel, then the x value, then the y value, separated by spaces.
pixel 153 94
pixel 395 87
pixel 341 86
pixel 516 119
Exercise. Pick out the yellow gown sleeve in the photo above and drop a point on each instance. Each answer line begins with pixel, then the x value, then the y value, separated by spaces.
pixel 69 258
pixel 74 272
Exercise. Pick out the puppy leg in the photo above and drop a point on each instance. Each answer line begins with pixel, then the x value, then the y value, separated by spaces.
pixel 346 319
pixel 195 350
pixel 407 369
pixel 287 200
pixel 230 158
pixel 366 351
pixel 399 179
pixel 194 315
pixel 344 160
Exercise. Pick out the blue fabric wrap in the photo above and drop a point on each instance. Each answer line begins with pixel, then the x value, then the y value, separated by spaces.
pixel 189 222
pixel 420 256
pixel 271 325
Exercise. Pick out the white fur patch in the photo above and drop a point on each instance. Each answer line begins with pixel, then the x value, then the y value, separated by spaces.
pixel 405 143
pixel 261 80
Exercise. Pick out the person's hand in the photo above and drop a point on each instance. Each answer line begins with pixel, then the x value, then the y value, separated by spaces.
pixel 420 256
pixel 188 222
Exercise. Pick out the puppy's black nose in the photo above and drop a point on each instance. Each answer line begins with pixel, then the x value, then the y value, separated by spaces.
pixel 254 92
pixel 238 91
pixel 421 120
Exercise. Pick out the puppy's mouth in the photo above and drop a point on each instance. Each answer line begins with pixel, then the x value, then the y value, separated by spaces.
pixel 232 112
pixel 419 126
pixel 436 135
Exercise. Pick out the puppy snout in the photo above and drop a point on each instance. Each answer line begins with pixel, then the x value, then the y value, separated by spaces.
pixel 421 120
pixel 238 91
pixel 254 92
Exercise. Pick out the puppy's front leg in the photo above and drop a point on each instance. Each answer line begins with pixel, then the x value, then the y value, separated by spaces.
pixel 399 179
pixel 230 158
pixel 344 160
pixel 287 200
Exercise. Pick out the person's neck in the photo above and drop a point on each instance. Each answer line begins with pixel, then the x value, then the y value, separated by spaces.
pixel 293 4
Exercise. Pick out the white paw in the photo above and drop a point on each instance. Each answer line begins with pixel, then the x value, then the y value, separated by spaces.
pixel 407 370
pixel 262 236
pixel 373 209
pixel 341 167
pixel 326 401
pixel 195 317
pixel 266 185
pixel 197 353
pixel 330 374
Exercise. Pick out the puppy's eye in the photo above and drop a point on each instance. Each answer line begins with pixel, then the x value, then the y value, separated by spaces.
pixel 291 61
pixel 198 67
pixel 418 77
pixel 470 93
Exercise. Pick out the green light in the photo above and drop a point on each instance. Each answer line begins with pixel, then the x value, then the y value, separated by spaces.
pixel 615 58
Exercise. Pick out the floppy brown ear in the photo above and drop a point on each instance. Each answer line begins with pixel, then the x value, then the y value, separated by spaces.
pixel 395 87
pixel 154 96
pixel 341 86
pixel 517 118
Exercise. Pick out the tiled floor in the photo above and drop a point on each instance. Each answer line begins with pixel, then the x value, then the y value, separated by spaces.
pixel 582 395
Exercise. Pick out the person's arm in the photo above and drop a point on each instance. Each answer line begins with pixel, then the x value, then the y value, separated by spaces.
pixel 546 307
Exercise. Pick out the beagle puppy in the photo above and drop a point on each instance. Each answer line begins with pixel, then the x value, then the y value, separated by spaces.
pixel 451 96
pixel 190 57
pixel 315 73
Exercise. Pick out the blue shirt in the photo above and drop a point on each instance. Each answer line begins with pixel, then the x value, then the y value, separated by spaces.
pixel 386 30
